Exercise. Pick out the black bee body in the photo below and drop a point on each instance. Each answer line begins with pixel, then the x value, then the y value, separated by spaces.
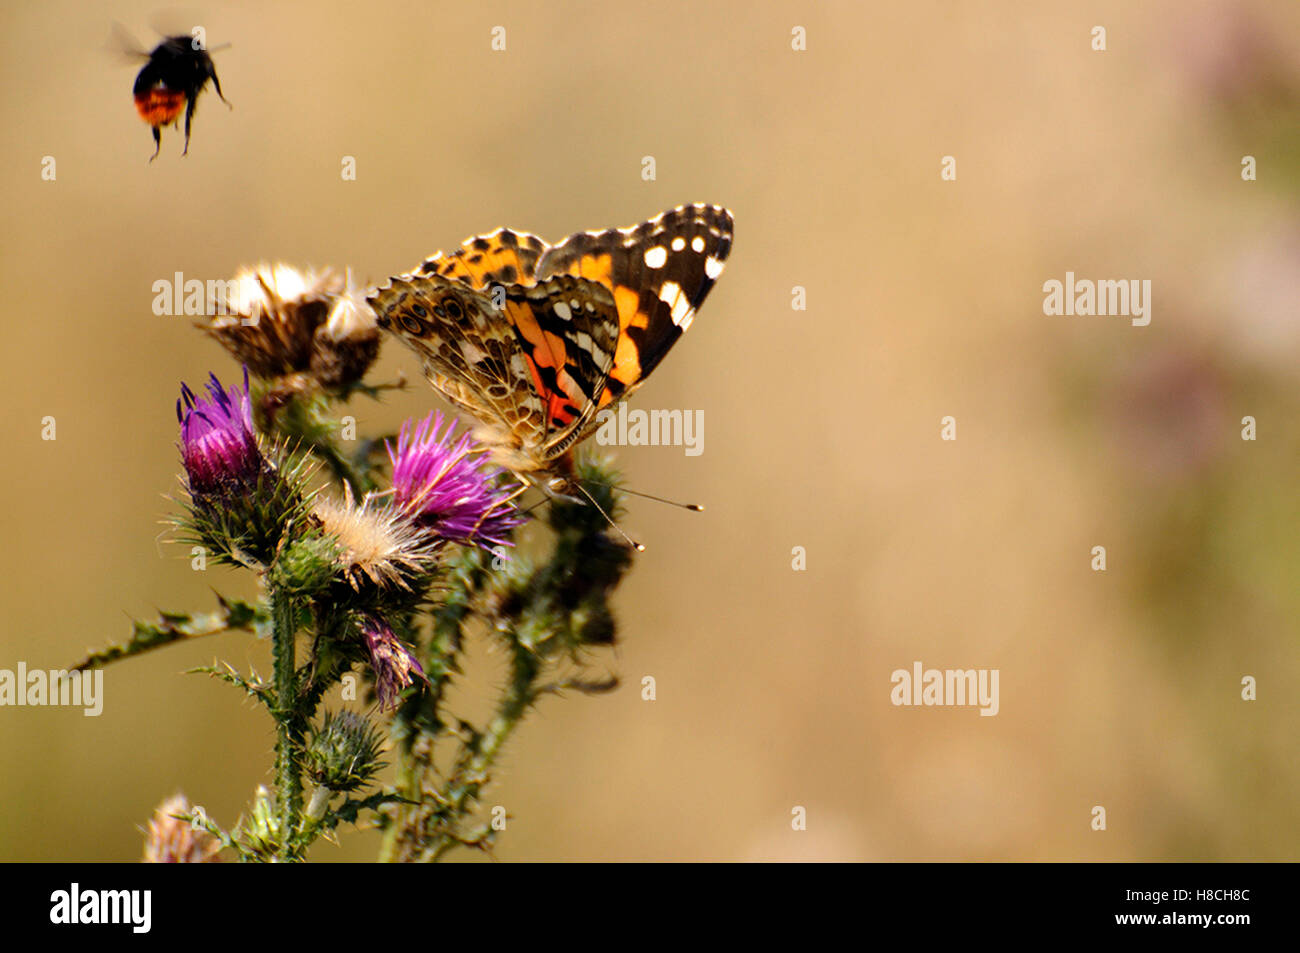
pixel 177 71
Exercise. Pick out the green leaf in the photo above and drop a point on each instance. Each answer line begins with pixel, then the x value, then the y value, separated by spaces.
pixel 252 684
pixel 232 615
pixel 347 811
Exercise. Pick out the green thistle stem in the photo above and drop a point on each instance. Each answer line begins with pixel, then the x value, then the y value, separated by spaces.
pixel 417 727
pixel 288 764
pixel 477 758
pixel 432 831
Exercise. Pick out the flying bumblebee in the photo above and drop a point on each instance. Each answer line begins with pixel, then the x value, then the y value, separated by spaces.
pixel 178 70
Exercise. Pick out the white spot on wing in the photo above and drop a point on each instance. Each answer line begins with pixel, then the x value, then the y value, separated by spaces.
pixel 679 243
pixel 697 243
pixel 656 256
pixel 712 267
pixel 562 310
pixel 682 312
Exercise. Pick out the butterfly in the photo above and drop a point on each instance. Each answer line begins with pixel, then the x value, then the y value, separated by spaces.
pixel 534 339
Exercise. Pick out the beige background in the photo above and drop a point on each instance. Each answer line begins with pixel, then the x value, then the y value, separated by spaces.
pixel 821 427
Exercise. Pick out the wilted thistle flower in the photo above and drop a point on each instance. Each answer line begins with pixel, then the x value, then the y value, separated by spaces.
pixel 343 754
pixel 217 443
pixel 375 541
pixel 171 840
pixel 394 665
pixel 347 343
pixel 447 487
pixel 280 321
pixel 272 313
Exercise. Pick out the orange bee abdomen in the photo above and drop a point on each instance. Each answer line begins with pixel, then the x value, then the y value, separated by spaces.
pixel 159 105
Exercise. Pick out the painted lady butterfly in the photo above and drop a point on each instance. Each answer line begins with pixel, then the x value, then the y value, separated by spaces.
pixel 534 339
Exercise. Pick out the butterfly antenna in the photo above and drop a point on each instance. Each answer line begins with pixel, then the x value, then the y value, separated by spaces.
pixel 530 509
pixel 635 545
pixel 693 507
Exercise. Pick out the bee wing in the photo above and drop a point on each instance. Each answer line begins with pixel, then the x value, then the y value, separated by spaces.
pixel 177 21
pixel 124 46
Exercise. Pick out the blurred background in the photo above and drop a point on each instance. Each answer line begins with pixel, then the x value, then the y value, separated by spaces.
pixel 822 427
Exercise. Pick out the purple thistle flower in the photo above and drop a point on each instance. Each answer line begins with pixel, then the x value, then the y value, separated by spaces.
pixel 217 443
pixel 394 665
pixel 444 484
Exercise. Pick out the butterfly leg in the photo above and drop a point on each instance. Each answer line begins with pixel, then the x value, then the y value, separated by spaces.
pixel 157 142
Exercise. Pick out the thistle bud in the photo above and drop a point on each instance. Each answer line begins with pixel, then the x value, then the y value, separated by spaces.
pixel 259 833
pixel 343 753
pixel 307 564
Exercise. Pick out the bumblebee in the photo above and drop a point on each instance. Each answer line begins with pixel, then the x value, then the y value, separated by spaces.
pixel 178 70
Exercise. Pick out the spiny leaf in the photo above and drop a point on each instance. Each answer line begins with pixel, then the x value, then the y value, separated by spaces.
pixel 584 685
pixel 252 684
pixel 198 819
pixel 232 614
pixel 347 811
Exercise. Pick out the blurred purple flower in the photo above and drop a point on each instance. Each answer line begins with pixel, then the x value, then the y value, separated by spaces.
pixel 394 665
pixel 443 483
pixel 217 443
pixel 1233 55
pixel 1168 412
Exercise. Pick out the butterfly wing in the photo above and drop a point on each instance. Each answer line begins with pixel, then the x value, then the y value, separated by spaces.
pixel 468 353
pixel 659 273
pixel 568 330
pixel 528 361
pixel 505 257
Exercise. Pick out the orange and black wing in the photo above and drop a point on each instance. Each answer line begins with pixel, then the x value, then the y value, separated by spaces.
pixel 659 273
pixel 527 360
pixel 505 257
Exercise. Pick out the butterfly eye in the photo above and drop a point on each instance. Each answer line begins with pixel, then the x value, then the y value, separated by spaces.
pixel 563 487
pixel 412 325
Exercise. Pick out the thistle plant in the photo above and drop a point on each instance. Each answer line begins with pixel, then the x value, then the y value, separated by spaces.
pixel 375 566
